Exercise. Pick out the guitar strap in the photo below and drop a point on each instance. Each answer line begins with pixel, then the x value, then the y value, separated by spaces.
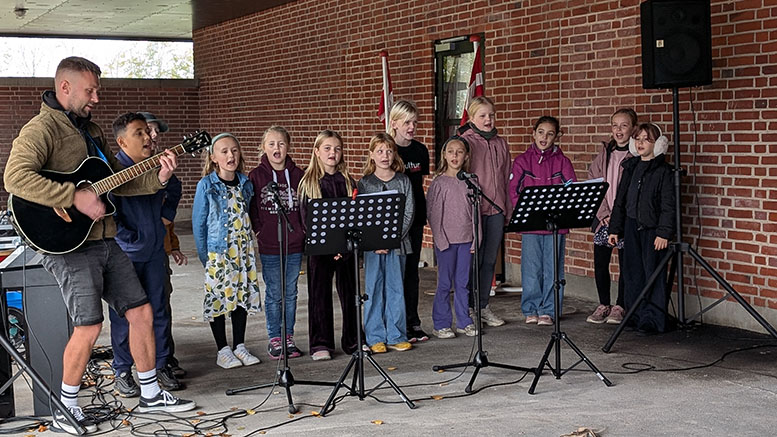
pixel 93 148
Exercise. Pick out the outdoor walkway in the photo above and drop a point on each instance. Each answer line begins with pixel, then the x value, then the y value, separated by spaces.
pixel 662 384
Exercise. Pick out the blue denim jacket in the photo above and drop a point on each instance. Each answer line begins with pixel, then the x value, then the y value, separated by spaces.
pixel 209 213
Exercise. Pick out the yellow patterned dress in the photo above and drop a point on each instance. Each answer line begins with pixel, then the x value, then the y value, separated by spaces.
pixel 230 278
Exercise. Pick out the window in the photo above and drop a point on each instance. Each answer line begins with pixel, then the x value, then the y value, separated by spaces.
pixel 38 57
pixel 453 66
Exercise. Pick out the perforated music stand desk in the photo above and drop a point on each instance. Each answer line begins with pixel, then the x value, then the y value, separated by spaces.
pixel 342 225
pixel 550 208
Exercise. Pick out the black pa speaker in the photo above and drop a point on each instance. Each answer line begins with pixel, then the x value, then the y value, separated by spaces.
pixel 676 43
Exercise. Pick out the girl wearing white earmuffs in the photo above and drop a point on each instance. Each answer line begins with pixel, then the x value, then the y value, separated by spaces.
pixel 644 216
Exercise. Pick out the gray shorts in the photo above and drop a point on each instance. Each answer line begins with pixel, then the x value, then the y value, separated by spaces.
pixel 98 270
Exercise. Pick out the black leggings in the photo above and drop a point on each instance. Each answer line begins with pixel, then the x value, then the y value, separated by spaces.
pixel 219 328
pixel 602 256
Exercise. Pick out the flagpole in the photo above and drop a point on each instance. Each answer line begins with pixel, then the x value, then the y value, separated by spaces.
pixel 386 109
pixel 475 40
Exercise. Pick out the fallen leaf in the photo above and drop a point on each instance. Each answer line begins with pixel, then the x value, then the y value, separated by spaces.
pixel 437 397
pixel 315 413
pixel 125 422
pixel 391 368
pixel 196 421
pixel 233 409
pixel 240 428
pixel 443 384
pixel 440 371
pixel 191 434
pixel 250 412
pixel 377 422
pixel 262 432
pixel 201 413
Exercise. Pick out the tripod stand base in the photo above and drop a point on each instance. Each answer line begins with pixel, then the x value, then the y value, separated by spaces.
pixel 479 361
pixel 285 380
pixel 357 363
pixel 555 340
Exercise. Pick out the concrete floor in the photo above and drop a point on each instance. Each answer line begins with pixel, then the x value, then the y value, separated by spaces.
pixel 652 394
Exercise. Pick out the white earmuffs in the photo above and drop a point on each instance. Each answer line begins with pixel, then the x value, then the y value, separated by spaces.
pixel 662 143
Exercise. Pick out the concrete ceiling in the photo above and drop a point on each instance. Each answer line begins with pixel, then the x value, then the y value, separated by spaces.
pixel 121 19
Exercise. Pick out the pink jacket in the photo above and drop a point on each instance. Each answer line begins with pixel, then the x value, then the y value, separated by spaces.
pixel 490 161
pixel 536 167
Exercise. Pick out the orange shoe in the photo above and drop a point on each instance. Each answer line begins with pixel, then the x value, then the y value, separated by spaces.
pixel 403 346
pixel 379 348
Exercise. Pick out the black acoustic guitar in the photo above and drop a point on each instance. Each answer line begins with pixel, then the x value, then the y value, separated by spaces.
pixel 62 230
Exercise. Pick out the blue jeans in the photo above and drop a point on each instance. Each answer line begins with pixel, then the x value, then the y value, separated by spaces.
pixel 537 274
pixel 271 273
pixel 384 309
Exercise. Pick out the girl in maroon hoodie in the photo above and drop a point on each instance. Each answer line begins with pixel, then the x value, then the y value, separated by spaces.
pixel 277 175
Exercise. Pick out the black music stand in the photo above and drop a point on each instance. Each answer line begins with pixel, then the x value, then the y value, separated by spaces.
pixel 285 377
pixel 341 225
pixel 480 359
pixel 550 208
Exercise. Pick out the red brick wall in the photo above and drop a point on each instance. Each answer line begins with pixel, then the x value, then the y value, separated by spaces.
pixel 311 65
pixel 175 101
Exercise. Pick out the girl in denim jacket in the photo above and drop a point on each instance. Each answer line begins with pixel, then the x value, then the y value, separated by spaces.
pixel 226 248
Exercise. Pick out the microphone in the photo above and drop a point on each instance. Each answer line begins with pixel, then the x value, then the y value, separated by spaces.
pixel 463 175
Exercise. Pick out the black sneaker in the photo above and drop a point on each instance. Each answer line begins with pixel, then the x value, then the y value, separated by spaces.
pixel 125 386
pixel 416 334
pixel 173 365
pixel 60 423
pixel 166 402
pixel 292 348
pixel 167 380
pixel 274 348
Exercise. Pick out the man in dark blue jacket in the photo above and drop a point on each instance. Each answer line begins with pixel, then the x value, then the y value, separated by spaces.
pixel 140 234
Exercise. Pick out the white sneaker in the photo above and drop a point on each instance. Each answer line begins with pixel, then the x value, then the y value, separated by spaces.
pixel 469 330
pixel 443 333
pixel 489 318
pixel 244 356
pixel 227 359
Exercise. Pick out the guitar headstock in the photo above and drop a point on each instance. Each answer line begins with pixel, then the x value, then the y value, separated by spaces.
pixel 196 141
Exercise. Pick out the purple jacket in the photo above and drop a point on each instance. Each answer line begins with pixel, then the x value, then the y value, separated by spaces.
pixel 262 210
pixel 536 167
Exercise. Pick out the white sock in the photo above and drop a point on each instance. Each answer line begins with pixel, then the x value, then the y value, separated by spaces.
pixel 148 384
pixel 69 395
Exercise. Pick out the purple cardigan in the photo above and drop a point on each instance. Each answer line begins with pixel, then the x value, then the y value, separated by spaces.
pixel 537 167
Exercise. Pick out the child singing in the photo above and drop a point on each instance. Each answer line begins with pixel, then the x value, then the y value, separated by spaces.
pixel 607 165
pixel 277 167
pixel 225 246
pixel 452 226
pixel 644 215
pixel 543 163
pixel 327 177
pixel 384 310
pixel 403 121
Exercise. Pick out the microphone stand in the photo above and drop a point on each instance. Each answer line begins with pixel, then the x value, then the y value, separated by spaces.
pixel 480 358
pixel 285 377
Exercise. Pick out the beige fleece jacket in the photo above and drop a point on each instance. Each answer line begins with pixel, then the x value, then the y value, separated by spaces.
pixel 50 141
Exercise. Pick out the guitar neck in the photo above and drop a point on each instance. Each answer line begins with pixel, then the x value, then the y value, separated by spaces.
pixel 120 178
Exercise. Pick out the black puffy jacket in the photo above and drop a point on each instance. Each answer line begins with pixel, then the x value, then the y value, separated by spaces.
pixel 656 201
